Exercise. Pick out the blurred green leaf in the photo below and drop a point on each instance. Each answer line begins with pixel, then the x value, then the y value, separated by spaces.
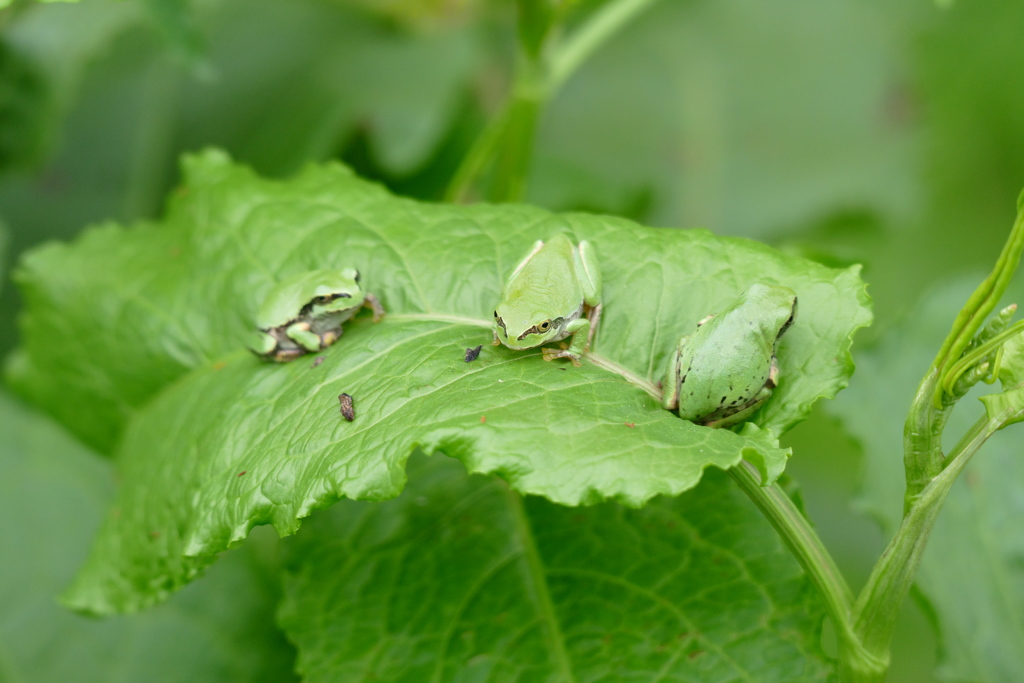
pixel 291 82
pixel 973 570
pixel 4 241
pixel 114 322
pixel 740 116
pixel 460 579
pixel 969 73
pixel 24 109
pixel 66 39
pixel 52 496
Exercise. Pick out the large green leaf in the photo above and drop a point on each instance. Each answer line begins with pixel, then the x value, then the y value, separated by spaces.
pixel 52 496
pixel 461 579
pixel 24 109
pixel 146 326
pixel 972 572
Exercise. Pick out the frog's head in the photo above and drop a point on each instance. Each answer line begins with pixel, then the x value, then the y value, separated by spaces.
pixel 777 305
pixel 521 328
pixel 340 291
pixel 311 294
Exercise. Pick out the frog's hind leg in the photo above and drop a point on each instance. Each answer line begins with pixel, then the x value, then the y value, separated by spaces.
pixel 716 419
pixel 588 270
pixel 594 315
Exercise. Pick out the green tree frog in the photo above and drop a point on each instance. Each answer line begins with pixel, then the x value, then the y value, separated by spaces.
pixel 723 372
pixel 304 313
pixel 554 293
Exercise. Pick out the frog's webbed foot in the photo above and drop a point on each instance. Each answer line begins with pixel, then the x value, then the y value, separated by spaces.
pixel 329 337
pixel 551 354
pixel 263 343
pixel 286 355
pixel 373 303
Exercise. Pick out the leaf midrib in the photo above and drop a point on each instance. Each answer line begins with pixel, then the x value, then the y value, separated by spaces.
pixel 599 360
pixel 538 577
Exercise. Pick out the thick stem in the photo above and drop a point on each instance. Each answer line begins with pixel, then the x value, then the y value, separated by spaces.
pixel 541 70
pixel 922 438
pixel 878 605
pixel 803 542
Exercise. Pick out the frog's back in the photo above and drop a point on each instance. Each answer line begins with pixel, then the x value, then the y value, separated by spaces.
pixel 723 372
pixel 548 279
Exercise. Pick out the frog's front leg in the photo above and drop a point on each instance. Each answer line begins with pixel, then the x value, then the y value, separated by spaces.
pixel 579 329
pixel 373 303
pixel 262 343
pixel 301 334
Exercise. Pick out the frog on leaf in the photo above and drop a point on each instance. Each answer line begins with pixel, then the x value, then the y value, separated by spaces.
pixel 727 368
pixel 304 313
pixel 554 293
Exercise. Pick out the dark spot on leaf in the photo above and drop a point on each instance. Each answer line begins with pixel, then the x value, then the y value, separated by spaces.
pixel 241 473
pixel 348 409
pixel 471 354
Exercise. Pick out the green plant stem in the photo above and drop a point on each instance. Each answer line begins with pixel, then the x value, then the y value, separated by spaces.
pixel 605 23
pixel 922 438
pixel 508 141
pixel 476 159
pixel 879 603
pixel 800 537
pixel 922 432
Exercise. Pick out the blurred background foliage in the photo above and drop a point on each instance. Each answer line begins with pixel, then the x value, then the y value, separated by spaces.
pixel 885 133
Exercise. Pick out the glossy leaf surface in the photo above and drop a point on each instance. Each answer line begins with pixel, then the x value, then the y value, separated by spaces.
pixel 216 441
pixel 462 579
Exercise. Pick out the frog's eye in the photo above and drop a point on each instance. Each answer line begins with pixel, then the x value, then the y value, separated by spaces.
pixel 323 299
pixel 544 326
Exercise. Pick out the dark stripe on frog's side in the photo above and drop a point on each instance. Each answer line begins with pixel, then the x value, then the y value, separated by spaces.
pixel 556 323
pixel 309 307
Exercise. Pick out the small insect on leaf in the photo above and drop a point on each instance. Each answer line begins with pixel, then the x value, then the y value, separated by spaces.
pixel 318 361
pixel 241 473
pixel 348 410
pixel 483 419
pixel 471 354
pixel 630 424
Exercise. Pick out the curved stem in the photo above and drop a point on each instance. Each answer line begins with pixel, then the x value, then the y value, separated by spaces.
pixel 508 141
pixel 878 605
pixel 581 44
pixel 800 537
